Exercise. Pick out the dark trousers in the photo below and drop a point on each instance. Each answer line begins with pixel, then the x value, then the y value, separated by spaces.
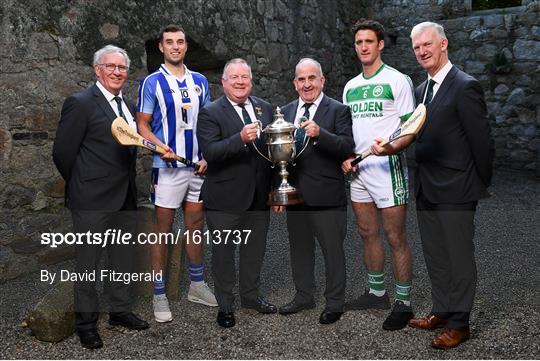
pixel 252 250
pixel 87 259
pixel 329 227
pixel 447 232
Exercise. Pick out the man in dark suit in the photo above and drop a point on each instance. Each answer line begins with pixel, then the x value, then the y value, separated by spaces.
pixel 100 189
pixel 454 153
pixel 236 188
pixel 318 176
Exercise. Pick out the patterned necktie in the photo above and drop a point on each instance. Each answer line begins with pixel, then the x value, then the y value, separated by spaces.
pixel 245 114
pixel 300 136
pixel 306 109
pixel 429 93
pixel 118 101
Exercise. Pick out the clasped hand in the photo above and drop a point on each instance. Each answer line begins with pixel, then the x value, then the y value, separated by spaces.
pixel 249 133
pixel 312 129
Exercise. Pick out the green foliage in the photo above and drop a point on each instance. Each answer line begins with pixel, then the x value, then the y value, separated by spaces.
pixel 494 4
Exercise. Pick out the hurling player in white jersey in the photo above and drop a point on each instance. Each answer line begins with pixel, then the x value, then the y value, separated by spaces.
pixel 169 101
pixel 380 98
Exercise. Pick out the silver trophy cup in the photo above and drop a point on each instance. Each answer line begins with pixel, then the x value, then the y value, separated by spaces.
pixel 282 150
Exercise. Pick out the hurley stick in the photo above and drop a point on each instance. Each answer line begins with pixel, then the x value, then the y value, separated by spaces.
pixel 125 135
pixel 409 127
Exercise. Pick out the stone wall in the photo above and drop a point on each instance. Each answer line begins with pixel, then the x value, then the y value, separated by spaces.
pixel 499 47
pixel 46 51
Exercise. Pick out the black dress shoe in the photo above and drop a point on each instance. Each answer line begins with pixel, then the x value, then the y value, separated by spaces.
pixel 90 339
pixel 260 306
pixel 226 319
pixel 128 320
pixel 329 317
pixel 399 317
pixel 294 307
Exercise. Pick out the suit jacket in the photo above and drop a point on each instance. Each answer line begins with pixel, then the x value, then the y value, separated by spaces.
pixel 454 150
pixel 99 172
pixel 237 177
pixel 317 172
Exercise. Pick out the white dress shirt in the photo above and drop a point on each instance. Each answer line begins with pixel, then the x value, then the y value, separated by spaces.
pixel 438 78
pixel 312 109
pixel 251 112
pixel 114 105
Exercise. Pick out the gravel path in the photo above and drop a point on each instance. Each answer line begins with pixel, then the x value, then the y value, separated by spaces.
pixel 503 320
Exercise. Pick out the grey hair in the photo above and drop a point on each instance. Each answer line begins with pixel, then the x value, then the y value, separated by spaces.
pixel 311 61
pixel 419 28
pixel 235 61
pixel 110 49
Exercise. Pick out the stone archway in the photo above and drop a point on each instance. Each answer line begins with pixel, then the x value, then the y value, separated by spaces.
pixel 198 58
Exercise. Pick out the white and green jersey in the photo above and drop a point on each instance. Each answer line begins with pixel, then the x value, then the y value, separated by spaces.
pixel 378 104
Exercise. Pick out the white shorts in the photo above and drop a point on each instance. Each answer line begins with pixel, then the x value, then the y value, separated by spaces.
pixel 169 187
pixel 382 180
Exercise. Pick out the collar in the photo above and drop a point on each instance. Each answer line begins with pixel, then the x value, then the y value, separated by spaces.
pixel 108 95
pixel 247 102
pixel 374 74
pixel 441 74
pixel 166 71
pixel 317 101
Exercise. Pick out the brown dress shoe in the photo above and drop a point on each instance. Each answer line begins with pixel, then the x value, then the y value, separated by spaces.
pixel 429 322
pixel 450 338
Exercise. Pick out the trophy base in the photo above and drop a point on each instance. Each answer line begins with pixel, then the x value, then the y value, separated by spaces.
pixel 284 198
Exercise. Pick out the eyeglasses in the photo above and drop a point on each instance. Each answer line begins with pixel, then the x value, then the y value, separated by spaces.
pixel 112 67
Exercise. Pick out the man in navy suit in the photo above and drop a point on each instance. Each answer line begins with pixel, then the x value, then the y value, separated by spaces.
pixel 100 189
pixel 454 153
pixel 317 174
pixel 236 189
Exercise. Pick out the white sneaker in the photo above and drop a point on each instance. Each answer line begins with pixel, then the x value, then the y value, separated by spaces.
pixel 201 293
pixel 162 312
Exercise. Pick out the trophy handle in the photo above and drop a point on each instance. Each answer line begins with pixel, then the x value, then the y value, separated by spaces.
pixel 259 123
pixel 304 148
pixel 262 155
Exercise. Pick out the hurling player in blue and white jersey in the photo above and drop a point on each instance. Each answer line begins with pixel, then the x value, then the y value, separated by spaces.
pixel 380 98
pixel 169 102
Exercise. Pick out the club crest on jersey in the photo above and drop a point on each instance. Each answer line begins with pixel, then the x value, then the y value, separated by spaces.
pixel 400 192
pixel 378 90
pixel 198 90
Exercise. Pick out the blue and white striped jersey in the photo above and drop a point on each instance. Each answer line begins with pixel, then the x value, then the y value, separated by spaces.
pixel 174 104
